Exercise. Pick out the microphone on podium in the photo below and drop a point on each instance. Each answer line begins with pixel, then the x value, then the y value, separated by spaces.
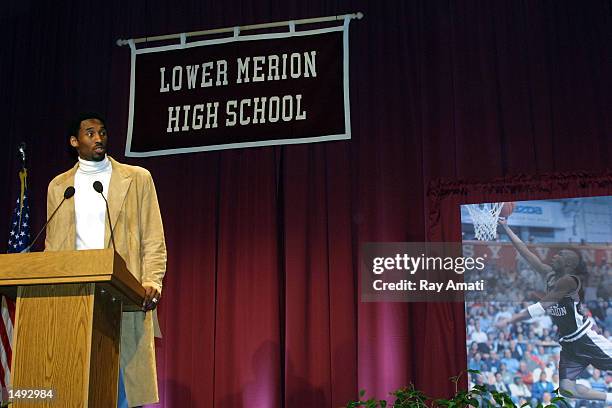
pixel 100 189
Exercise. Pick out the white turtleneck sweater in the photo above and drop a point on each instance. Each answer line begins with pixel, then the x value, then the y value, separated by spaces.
pixel 89 206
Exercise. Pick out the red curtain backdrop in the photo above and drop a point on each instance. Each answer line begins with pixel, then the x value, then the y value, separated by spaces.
pixel 261 300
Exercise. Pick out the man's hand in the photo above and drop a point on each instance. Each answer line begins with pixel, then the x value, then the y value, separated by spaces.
pixel 151 298
pixel 502 221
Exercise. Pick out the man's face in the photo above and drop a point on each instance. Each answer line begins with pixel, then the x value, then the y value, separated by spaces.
pixel 90 143
pixel 564 259
pixel 557 261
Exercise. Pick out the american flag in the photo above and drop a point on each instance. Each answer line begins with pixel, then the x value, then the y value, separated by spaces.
pixel 19 236
pixel 19 239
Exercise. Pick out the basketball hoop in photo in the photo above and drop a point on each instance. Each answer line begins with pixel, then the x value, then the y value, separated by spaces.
pixel 485 216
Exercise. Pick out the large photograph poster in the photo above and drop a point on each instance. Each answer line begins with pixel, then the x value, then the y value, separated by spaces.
pixel 239 91
pixel 523 358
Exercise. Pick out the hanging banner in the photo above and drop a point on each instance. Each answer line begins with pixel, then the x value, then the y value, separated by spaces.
pixel 241 91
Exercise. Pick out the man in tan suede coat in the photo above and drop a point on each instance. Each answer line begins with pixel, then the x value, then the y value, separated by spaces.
pixel 138 233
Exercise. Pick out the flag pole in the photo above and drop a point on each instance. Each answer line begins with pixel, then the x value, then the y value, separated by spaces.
pixel 340 17
pixel 22 152
pixel 23 176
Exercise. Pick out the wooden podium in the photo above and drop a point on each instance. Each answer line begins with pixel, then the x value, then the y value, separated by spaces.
pixel 68 324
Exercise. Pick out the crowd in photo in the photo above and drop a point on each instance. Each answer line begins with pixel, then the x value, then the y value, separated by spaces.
pixel 523 359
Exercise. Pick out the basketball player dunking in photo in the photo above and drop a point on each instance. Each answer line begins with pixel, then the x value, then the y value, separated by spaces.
pixel 580 344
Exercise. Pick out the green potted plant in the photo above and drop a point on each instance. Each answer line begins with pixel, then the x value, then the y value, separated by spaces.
pixel 478 396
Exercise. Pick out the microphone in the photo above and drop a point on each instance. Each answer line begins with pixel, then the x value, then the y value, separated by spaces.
pixel 68 193
pixel 99 188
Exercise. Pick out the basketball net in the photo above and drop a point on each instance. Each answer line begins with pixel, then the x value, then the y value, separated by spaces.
pixel 484 217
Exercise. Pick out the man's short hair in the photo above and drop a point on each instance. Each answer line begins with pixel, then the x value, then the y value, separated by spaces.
pixel 75 123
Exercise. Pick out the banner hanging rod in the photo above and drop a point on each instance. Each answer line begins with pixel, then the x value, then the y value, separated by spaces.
pixel 358 16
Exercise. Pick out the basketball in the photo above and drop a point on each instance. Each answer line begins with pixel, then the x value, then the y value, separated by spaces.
pixel 507 209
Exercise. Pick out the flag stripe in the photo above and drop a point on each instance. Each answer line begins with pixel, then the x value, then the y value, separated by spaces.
pixel 11 309
pixel 4 366
pixel 6 333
